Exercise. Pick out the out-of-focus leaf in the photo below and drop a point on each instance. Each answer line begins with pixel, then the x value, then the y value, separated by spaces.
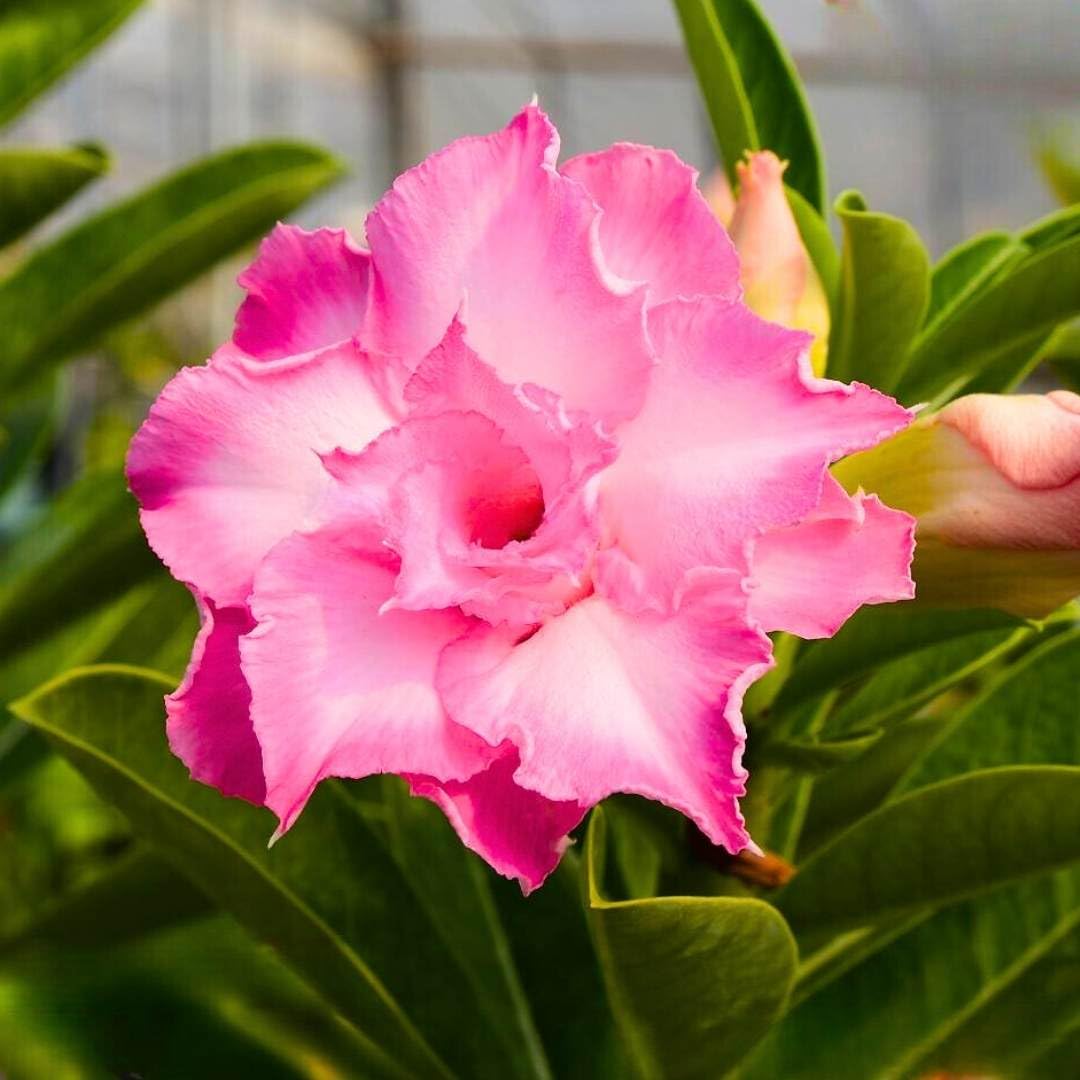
pixel 807 755
pixel 884 290
pixel 694 982
pixel 328 896
pixel 33 183
pixel 136 896
pixel 1052 229
pixel 548 933
pixel 938 845
pixel 198 1001
pixel 752 91
pixel 154 625
pixel 453 885
pixel 1037 294
pixel 875 636
pixel 118 263
pixel 1028 715
pixel 1058 153
pixel 39 42
pixel 853 790
pixel 86 548
pixel 971 992
pixel 897 688
pixel 24 433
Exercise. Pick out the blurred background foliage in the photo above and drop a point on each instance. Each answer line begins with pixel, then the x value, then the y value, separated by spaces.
pixel 936 927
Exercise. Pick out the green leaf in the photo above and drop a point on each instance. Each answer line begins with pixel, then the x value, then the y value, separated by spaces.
pixel 812 756
pixel 1052 229
pixel 896 689
pixel 453 885
pixel 136 896
pixel 39 42
pixel 198 1001
pixel 34 183
pixel 1027 715
pixel 548 933
pixel 858 787
pixel 876 636
pixel 24 435
pixel 938 845
pixel 328 895
pixel 819 243
pixel 86 548
pixel 120 262
pixel 752 91
pixel 1038 294
pixel 970 992
pixel 884 291
pixel 969 267
pixel 694 982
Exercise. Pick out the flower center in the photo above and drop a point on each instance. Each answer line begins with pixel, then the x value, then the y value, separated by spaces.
pixel 504 507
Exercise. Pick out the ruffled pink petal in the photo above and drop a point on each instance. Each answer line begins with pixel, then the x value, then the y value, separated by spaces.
pixel 808 579
pixel 339 689
pixel 465 510
pixel 657 227
pixel 604 700
pixel 1033 440
pixel 227 463
pixel 209 718
pixel 735 439
pixel 564 446
pixel 518 833
pixel 489 228
pixel 305 291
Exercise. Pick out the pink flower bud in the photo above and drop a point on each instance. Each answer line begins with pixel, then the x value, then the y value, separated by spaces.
pixel 994 482
pixel 777 275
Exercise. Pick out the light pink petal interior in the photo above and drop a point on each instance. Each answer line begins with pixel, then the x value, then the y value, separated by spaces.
pixel 657 227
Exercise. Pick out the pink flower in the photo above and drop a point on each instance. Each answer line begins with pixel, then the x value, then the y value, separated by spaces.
pixel 506 503
pixel 994 482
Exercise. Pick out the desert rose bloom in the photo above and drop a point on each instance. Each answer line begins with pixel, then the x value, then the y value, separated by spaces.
pixel 506 503
pixel 994 481
pixel 778 277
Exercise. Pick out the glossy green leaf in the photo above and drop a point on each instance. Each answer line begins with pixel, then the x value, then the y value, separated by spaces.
pixel 115 265
pixel 875 636
pixel 198 1001
pixel 34 183
pixel 938 845
pixel 86 548
pixel 752 91
pixel 1027 715
pixel 973 991
pixel 1037 294
pixel 884 291
pixel 39 42
pixel 694 982
pixel 328 895
pixel 1058 154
